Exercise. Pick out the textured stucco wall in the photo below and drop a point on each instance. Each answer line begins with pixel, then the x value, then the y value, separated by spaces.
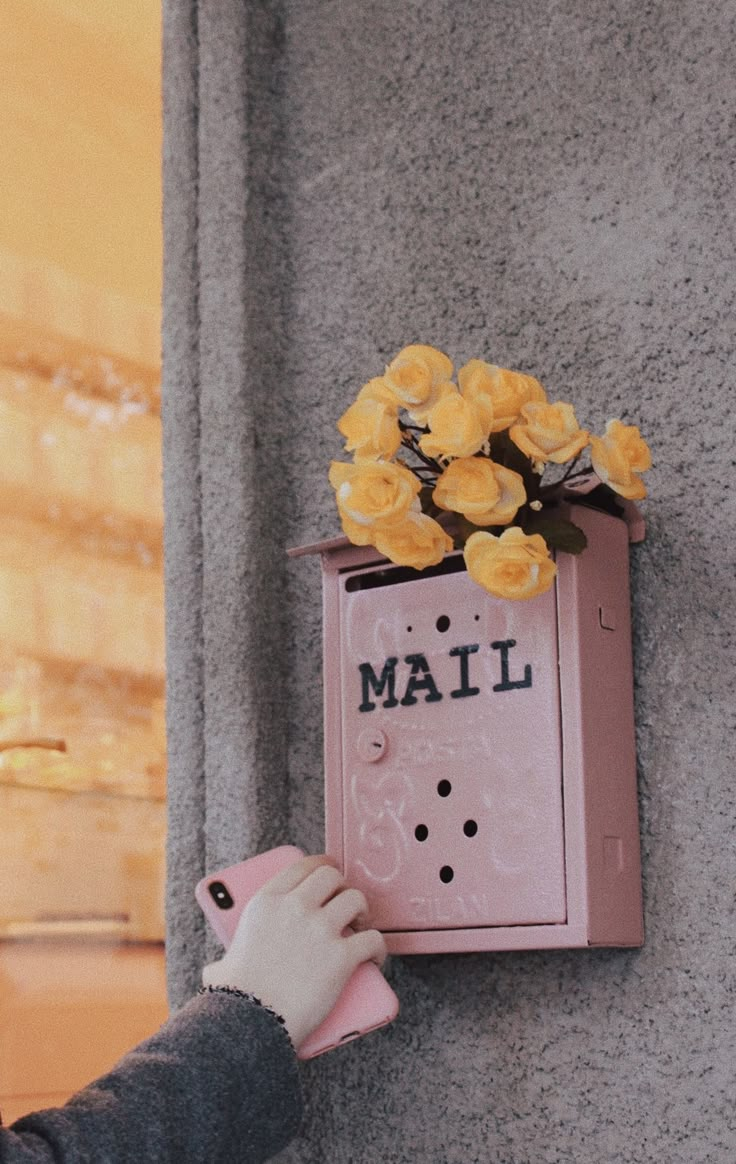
pixel 548 186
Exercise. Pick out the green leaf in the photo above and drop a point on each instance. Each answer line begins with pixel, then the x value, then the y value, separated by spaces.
pixel 425 498
pixel 603 498
pixel 506 453
pixel 558 533
pixel 464 529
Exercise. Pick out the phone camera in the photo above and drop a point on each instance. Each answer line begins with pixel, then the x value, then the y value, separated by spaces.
pixel 220 895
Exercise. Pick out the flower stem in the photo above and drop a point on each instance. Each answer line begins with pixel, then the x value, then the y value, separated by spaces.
pixel 569 472
pixel 432 464
pixel 569 476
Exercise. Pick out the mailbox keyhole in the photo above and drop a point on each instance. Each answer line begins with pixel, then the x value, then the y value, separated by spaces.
pixel 446 874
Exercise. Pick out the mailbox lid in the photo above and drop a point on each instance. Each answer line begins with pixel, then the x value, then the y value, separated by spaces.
pixel 452 812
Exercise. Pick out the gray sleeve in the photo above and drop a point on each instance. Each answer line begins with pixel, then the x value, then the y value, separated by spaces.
pixel 217 1084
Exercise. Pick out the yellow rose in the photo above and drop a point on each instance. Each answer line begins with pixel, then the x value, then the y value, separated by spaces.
pixel 420 412
pixel 476 389
pixel 455 428
pixel 372 494
pixel 514 565
pixel 618 456
pixel 370 425
pixel 499 390
pixel 549 432
pixel 359 535
pixel 418 376
pixel 485 493
pixel 417 541
pixel 378 389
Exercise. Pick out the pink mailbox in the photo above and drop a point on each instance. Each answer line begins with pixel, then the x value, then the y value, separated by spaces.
pixel 479 753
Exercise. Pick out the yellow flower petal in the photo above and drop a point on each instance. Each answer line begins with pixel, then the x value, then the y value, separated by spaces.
pixel 515 565
pixel 507 391
pixel 619 456
pixel 371 494
pixel 418 541
pixel 549 432
pixel 419 413
pixel 415 372
pixel 371 426
pixel 455 428
pixel 484 492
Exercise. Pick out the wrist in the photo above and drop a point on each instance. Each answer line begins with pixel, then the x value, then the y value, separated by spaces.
pixel 254 1001
pixel 216 976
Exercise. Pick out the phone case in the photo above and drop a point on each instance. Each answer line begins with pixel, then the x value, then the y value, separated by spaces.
pixel 366 1003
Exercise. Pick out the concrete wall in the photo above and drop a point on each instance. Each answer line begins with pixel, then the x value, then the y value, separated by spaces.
pixel 548 186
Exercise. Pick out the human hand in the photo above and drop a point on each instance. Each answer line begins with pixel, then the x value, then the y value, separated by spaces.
pixel 290 948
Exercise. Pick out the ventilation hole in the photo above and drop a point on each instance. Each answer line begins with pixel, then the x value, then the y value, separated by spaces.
pixel 444 788
pixel 470 828
pixel 443 623
pixel 421 832
pixel 446 874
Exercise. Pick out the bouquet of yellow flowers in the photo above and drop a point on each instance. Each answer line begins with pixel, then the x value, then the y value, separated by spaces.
pixel 471 476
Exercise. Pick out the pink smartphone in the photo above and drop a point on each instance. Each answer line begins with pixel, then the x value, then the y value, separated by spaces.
pixel 366 1003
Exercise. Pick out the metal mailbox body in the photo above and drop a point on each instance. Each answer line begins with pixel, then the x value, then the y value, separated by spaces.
pixel 480 761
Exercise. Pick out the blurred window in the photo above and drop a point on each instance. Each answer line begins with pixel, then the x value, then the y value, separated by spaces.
pixel 82 737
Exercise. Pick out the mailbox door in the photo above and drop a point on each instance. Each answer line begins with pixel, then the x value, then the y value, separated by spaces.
pixel 451 752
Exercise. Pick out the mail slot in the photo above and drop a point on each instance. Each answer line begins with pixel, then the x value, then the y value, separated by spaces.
pixel 480 760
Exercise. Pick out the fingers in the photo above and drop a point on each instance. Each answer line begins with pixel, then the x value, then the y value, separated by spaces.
pixel 320 886
pixel 344 909
pixel 367 946
pixel 289 878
